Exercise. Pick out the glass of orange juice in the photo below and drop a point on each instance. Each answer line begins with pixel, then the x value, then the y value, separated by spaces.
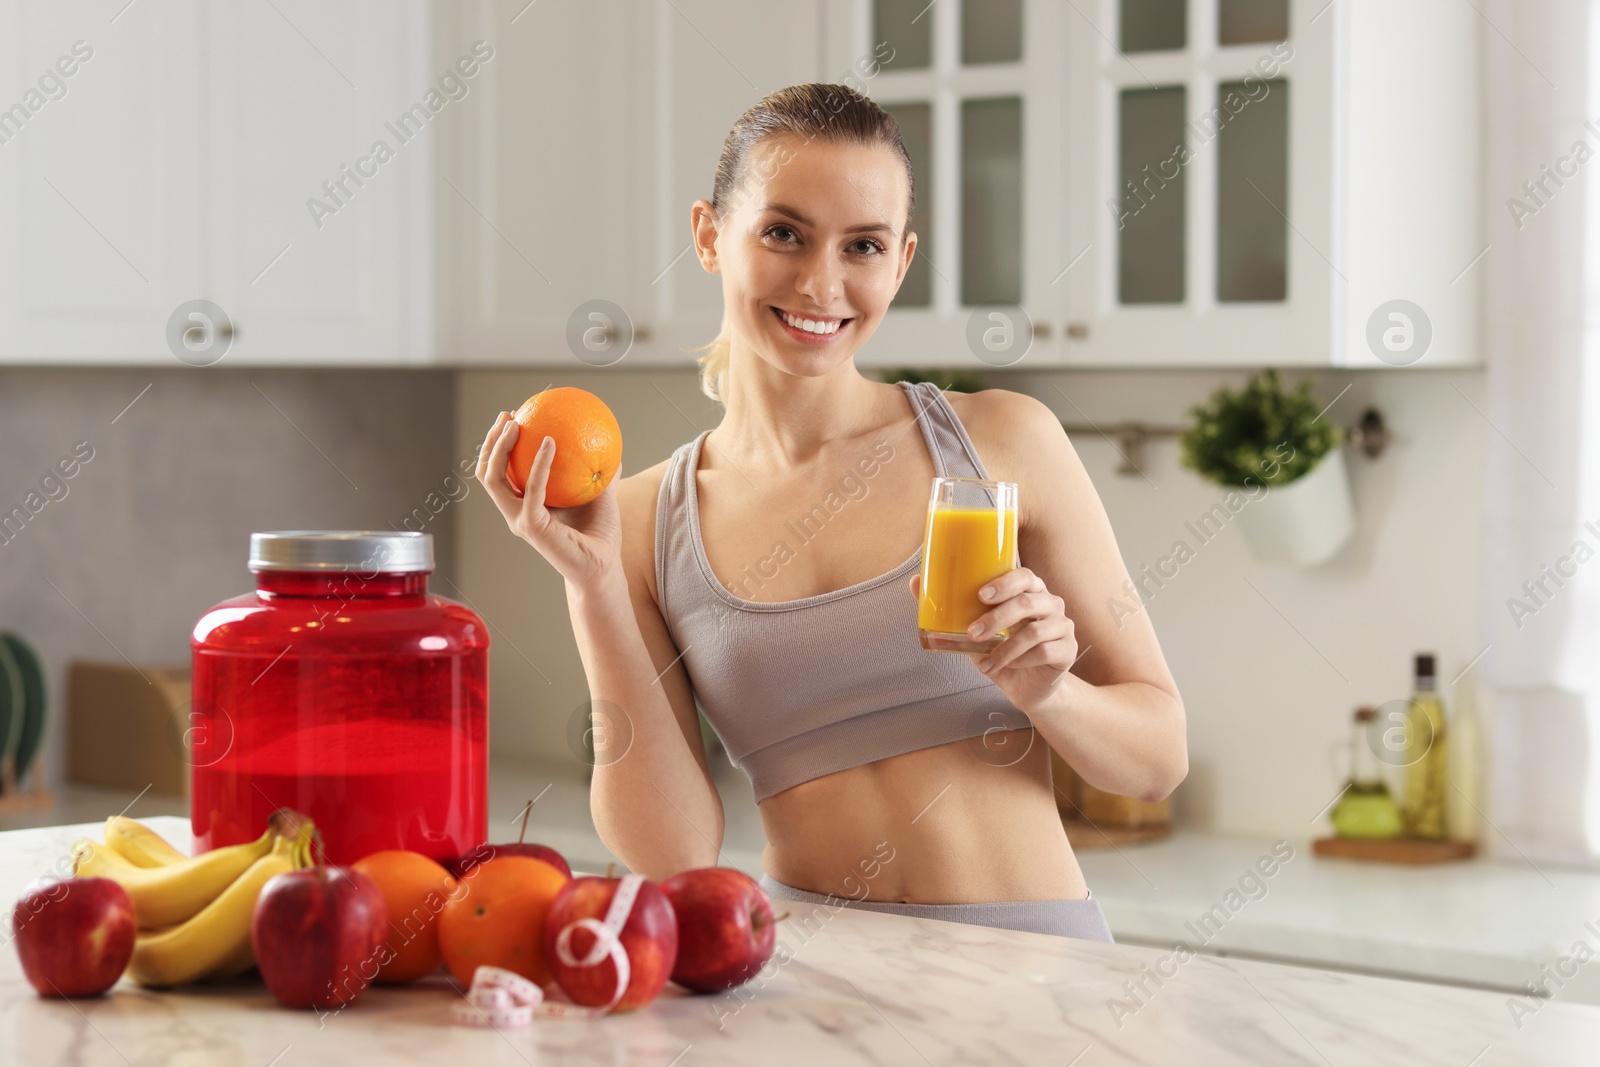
pixel 971 538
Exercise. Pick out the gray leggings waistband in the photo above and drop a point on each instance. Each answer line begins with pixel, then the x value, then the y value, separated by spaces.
pixel 1065 917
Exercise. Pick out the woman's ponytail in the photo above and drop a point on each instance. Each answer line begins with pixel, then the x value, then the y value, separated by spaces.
pixel 714 363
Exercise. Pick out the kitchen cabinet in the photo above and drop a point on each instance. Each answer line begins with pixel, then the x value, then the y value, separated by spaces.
pixel 318 243
pixel 1189 182
pixel 540 205
pixel 570 182
pixel 99 179
pixel 1115 183
pixel 177 165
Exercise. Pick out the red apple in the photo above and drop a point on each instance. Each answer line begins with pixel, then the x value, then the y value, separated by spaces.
pixel 319 935
pixel 75 936
pixel 725 927
pixel 460 866
pixel 649 938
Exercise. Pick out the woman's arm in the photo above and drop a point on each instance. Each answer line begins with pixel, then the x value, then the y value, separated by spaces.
pixel 652 798
pixel 1116 717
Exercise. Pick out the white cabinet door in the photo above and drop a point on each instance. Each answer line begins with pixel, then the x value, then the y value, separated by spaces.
pixel 321 123
pixel 541 207
pixel 1413 105
pixel 571 181
pixel 1202 183
pixel 99 179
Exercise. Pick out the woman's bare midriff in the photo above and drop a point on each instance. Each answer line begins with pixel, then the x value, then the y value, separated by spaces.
pixel 956 823
pixel 964 822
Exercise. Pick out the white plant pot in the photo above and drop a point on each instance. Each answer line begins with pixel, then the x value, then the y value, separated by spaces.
pixel 1304 522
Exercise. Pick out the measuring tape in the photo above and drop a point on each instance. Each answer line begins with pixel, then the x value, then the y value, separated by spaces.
pixel 501 999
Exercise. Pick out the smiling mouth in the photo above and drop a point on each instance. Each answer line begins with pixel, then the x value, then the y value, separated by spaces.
pixel 779 314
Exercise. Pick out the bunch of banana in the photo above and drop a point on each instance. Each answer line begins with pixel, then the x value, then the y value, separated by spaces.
pixel 193 913
pixel 138 844
pixel 215 942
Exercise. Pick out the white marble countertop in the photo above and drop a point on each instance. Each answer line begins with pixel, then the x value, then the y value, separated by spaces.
pixel 860 988
pixel 1483 922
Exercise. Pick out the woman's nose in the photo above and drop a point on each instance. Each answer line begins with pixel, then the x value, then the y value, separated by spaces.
pixel 821 279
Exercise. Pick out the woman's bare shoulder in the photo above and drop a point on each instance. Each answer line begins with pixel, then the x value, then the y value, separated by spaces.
pixel 1010 430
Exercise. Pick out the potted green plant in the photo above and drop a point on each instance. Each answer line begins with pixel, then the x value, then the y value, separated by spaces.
pixel 1281 460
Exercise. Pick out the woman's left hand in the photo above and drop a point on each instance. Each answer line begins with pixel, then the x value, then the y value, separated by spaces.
pixel 1030 664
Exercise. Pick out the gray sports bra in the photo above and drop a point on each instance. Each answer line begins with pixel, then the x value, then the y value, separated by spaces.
pixel 801 688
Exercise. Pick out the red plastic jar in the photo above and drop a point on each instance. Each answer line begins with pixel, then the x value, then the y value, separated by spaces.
pixel 342 689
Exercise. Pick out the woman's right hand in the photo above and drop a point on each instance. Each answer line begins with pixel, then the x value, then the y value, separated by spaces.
pixel 583 543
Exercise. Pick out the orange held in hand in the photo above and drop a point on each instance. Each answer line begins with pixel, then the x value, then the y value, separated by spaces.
pixel 416 890
pixel 498 918
pixel 588 445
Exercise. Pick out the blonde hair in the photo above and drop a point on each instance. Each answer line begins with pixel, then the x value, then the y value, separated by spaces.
pixel 816 111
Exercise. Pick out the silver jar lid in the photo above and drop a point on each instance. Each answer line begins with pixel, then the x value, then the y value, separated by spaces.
pixel 385 551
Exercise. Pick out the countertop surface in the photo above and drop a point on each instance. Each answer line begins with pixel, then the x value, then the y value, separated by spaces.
pixel 853 987
pixel 1486 923
pixel 1482 922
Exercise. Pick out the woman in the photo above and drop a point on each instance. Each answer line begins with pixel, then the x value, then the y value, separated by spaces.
pixel 760 569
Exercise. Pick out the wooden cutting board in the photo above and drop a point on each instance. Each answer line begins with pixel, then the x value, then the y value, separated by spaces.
pixel 1394 850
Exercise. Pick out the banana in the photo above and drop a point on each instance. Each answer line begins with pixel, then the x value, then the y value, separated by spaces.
pixel 240 962
pixel 175 892
pixel 218 937
pixel 138 844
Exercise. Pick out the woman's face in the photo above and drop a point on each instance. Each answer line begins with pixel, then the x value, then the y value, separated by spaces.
pixel 815 231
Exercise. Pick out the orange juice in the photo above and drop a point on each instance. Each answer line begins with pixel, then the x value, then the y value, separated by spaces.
pixel 963 548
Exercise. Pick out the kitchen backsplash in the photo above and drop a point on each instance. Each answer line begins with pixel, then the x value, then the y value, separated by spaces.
pixel 151 528
pixel 170 472
pixel 1271 661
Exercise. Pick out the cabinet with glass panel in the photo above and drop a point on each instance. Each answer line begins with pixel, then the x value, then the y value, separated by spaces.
pixel 975 88
pixel 1185 182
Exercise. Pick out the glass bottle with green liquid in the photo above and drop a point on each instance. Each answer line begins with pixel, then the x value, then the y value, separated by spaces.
pixel 1365 809
pixel 1424 797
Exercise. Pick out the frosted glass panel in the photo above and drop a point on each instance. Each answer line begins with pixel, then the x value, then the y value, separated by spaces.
pixel 991 31
pixel 1253 169
pixel 907 27
pixel 1151 196
pixel 916 131
pixel 991 201
pixel 1154 25
pixel 1248 21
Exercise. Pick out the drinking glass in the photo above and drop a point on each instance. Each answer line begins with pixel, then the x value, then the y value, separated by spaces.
pixel 970 539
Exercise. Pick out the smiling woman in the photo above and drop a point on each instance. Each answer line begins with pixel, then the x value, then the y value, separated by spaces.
pixel 770 139
pixel 854 737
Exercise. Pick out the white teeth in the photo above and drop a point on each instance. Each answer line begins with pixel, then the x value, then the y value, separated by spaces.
pixel 810 325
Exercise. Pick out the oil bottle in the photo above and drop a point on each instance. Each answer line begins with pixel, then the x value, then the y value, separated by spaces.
pixel 1365 809
pixel 1424 798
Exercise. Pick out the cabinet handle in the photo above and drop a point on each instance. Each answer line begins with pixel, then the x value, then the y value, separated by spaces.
pixel 1077 330
pixel 1041 329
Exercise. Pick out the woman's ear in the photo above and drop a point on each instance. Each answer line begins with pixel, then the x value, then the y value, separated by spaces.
pixel 905 258
pixel 703 231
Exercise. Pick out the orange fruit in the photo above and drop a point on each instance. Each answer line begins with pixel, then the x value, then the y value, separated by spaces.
pixel 498 918
pixel 416 890
pixel 588 445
